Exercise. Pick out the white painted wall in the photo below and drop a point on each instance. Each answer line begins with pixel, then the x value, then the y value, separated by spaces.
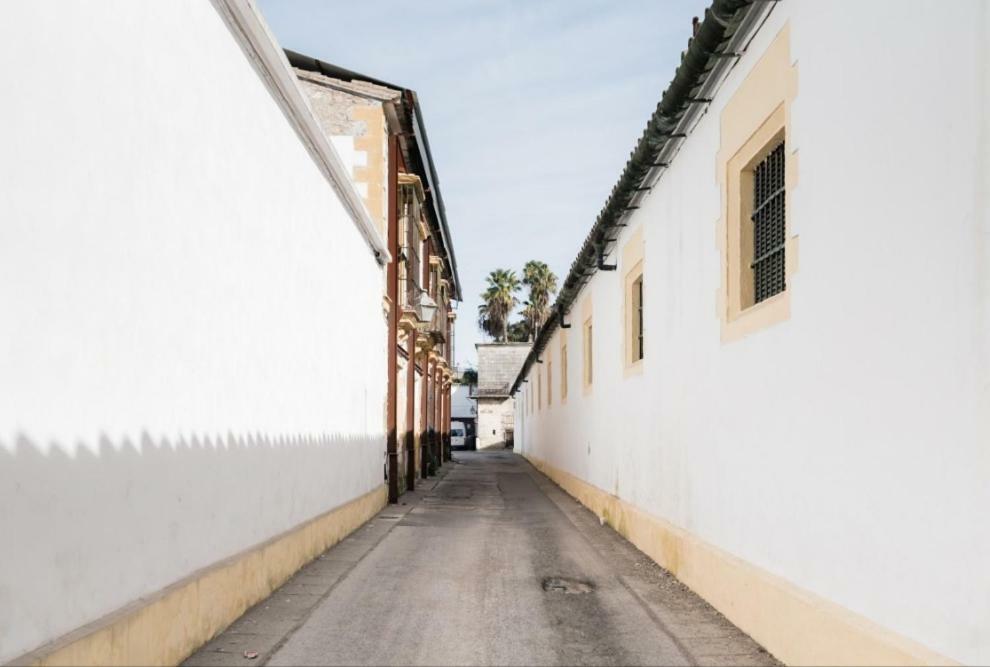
pixel 462 406
pixel 846 449
pixel 192 346
pixel 352 159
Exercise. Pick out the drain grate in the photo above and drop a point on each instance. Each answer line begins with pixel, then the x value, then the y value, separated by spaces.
pixel 567 585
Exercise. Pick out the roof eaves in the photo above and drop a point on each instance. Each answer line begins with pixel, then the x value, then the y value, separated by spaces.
pixel 333 71
pixel 441 211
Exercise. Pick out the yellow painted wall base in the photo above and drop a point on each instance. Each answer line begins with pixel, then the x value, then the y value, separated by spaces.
pixel 166 628
pixel 798 627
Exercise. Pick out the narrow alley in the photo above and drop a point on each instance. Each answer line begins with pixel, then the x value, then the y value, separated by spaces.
pixel 490 563
pixel 494 333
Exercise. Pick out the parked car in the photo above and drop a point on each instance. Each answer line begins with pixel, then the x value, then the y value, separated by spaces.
pixel 458 435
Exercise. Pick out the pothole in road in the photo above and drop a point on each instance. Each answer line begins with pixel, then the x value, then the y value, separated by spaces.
pixel 567 585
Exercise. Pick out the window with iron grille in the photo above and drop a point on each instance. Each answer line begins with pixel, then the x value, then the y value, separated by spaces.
pixel 637 296
pixel 769 232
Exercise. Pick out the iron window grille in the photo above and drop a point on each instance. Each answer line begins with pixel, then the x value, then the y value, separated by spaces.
pixel 769 233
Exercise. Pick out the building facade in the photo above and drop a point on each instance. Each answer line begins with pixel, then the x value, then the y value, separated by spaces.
pixel 770 365
pixel 202 325
pixel 378 129
pixel 498 366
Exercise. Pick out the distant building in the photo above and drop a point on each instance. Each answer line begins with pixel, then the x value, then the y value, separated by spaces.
pixel 498 366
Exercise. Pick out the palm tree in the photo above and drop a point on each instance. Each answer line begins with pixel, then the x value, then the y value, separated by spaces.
pixel 542 283
pixel 499 300
pixel 518 331
pixel 484 321
pixel 529 322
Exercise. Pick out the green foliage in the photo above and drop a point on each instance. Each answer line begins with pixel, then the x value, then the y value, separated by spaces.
pixel 542 283
pixel 499 300
pixel 519 331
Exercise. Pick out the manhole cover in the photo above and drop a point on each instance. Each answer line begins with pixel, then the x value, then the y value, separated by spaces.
pixel 565 585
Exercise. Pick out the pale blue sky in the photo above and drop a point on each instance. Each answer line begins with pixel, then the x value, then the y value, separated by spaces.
pixel 531 108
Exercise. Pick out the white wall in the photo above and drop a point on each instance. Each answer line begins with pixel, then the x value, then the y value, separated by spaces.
pixel 192 346
pixel 494 414
pixel 461 405
pixel 846 449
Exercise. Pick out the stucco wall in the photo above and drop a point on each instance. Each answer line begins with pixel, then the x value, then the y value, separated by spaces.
pixel 494 414
pixel 844 449
pixel 192 346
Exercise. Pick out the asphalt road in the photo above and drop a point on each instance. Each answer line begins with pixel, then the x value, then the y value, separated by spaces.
pixel 491 564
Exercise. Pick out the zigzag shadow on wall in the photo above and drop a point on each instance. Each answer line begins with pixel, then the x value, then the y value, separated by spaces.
pixel 87 532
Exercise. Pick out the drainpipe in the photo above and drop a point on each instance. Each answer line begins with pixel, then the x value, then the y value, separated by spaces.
pixel 424 401
pixel 446 420
pixel 392 281
pixel 443 418
pixel 436 413
pixel 423 394
pixel 411 411
pixel 433 416
pixel 449 389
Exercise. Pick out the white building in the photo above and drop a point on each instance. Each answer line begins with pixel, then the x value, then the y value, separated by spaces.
pixel 498 366
pixel 185 419
pixel 797 430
